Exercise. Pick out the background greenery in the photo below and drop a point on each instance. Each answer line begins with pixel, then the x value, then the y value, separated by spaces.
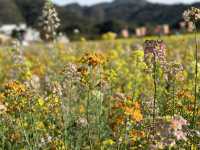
pixel 97 19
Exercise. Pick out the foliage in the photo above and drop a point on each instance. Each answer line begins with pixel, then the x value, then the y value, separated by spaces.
pixel 109 36
pixel 98 95
pixel 98 19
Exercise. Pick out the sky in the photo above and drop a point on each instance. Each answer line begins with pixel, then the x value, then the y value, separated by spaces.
pixel 90 2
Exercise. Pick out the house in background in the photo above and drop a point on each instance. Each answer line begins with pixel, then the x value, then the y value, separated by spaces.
pixel 141 31
pixel 125 33
pixel 8 29
pixel 190 27
pixel 21 32
pixel 31 35
pixel 186 26
pixel 162 30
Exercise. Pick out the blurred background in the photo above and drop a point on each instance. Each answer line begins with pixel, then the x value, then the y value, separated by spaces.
pixel 92 2
pixel 92 18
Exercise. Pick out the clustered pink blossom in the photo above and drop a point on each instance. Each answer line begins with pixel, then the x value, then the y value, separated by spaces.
pixel 180 135
pixel 168 132
pixel 155 47
pixel 177 124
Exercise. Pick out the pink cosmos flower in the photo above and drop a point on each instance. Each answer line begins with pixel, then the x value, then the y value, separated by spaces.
pixel 178 122
pixel 180 135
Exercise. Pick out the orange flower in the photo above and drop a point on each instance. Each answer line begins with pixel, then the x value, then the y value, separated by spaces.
pixel 81 109
pixel 118 105
pixel 137 115
pixel 128 110
pixel 184 94
pixel 119 120
pixel 2 97
pixel 15 136
pixel 136 134
pixel 83 71
pixel 137 105
pixel 128 97
pixel 16 87
pixel 93 59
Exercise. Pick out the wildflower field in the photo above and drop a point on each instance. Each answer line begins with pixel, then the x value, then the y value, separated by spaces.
pixel 108 95
pixel 133 94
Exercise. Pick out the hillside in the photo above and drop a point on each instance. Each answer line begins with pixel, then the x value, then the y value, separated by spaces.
pixel 9 12
pixel 119 14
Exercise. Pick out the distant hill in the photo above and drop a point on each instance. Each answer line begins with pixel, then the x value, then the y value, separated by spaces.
pixel 96 19
pixel 119 14
pixel 9 12
pixel 30 10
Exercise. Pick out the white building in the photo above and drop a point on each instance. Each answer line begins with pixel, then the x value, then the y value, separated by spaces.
pixel 31 35
pixel 63 39
pixel 28 35
pixel 7 29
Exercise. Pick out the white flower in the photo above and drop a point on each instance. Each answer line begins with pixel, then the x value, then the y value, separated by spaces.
pixel 49 22
pixel 42 141
pixel 192 14
pixel 49 138
pixel 2 108
pixel 82 122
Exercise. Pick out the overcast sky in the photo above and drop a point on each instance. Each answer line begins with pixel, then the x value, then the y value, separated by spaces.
pixel 90 2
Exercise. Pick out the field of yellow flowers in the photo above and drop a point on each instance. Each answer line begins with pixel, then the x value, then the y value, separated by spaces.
pixel 103 95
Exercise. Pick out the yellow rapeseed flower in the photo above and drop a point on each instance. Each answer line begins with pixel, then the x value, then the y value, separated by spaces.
pixel 57 100
pixel 2 97
pixel 81 109
pixel 39 125
pixel 108 142
pixel 41 101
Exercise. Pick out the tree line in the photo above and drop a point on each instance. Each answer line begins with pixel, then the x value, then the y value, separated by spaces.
pixel 95 20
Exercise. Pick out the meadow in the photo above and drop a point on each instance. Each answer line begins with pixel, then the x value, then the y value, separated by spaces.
pixel 99 95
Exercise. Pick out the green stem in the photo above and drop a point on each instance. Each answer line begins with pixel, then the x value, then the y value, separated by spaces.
pixel 155 93
pixel 196 77
pixel 100 110
pixel 174 105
